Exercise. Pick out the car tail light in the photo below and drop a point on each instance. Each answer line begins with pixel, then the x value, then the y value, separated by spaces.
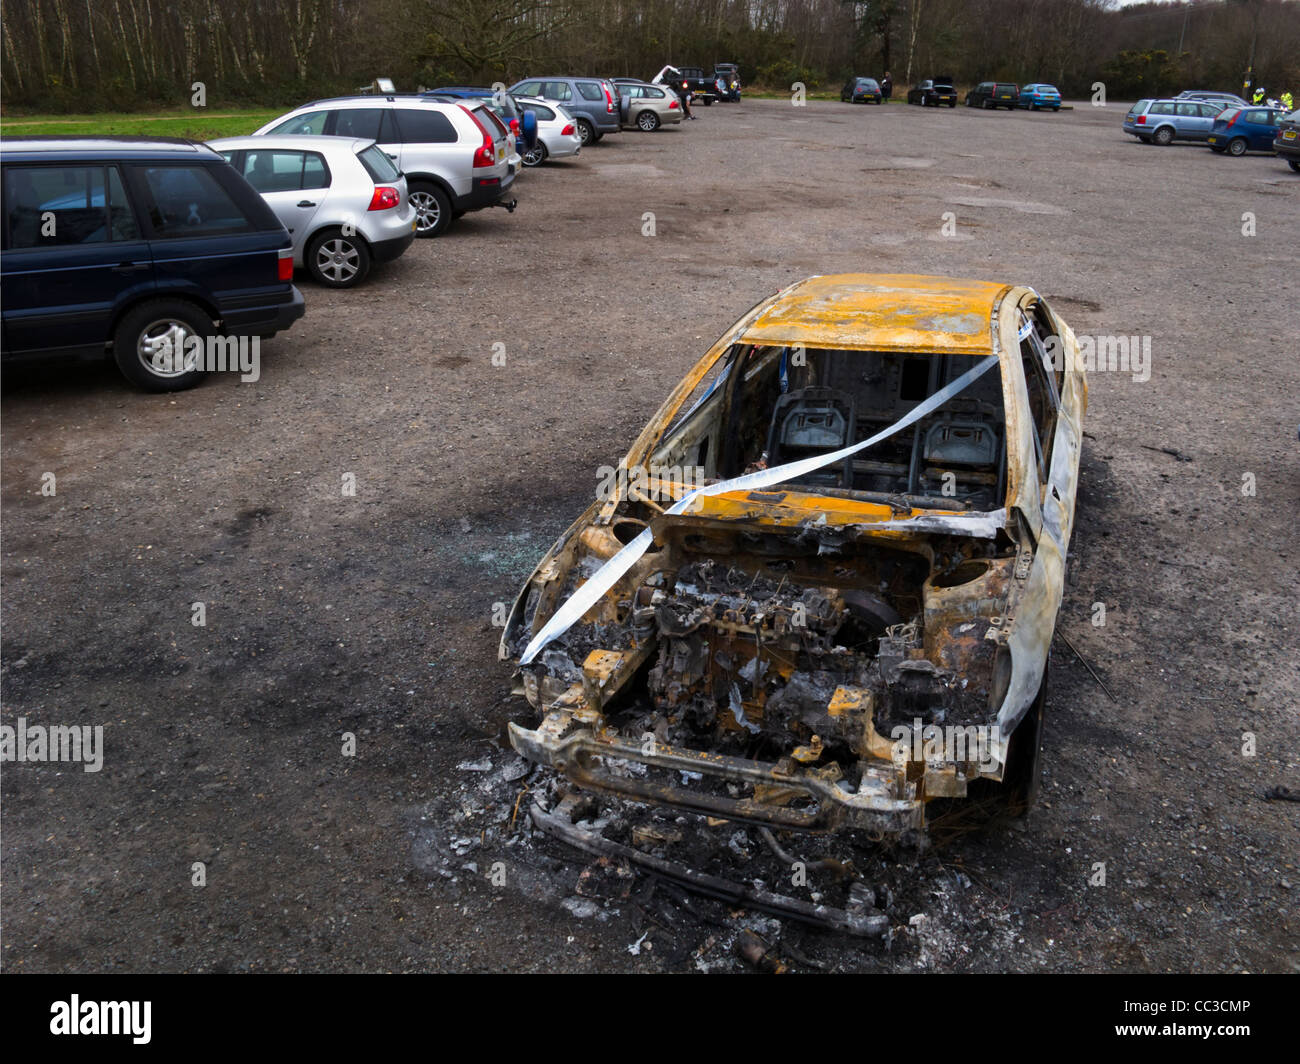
pixel 485 154
pixel 284 265
pixel 384 198
pixel 1141 120
pixel 514 126
pixel 672 105
pixel 609 99
pixel 568 130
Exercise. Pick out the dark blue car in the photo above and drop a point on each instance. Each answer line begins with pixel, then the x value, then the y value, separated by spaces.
pixel 151 250
pixel 1238 130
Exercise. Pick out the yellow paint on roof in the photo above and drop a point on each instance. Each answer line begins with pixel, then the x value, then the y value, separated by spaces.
pixel 882 312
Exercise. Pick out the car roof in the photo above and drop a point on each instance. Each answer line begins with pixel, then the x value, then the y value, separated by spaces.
pixel 124 147
pixel 370 101
pixel 293 141
pixel 882 312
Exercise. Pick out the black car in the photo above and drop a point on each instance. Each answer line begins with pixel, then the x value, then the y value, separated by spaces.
pixel 861 90
pixel 934 92
pixel 994 94
pixel 150 250
pixel 1287 141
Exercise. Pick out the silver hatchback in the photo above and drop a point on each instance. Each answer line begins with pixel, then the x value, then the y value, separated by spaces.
pixel 342 199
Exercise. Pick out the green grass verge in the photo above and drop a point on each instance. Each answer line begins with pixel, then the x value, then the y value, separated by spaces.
pixel 193 124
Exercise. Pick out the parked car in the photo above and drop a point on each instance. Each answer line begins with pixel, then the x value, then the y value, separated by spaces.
pixel 861 90
pixel 593 102
pixel 646 107
pixel 706 87
pixel 994 94
pixel 557 131
pixel 1241 129
pixel 820 559
pixel 933 92
pixel 523 129
pixel 1038 96
pixel 1223 99
pixel 457 157
pixel 133 247
pixel 343 201
pixel 729 75
pixel 1165 121
pixel 1287 141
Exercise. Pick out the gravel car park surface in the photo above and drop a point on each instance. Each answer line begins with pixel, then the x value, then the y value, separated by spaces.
pixel 373 614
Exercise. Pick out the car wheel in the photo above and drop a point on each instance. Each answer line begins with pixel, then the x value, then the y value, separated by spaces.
pixel 432 209
pixel 989 105
pixel 647 121
pixel 952 103
pixel 149 344
pixel 1294 164
pixel 534 156
pixel 586 133
pixel 1237 146
pixel 335 260
pixel 1164 136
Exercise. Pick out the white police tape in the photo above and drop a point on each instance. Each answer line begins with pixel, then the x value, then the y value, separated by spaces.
pixel 607 575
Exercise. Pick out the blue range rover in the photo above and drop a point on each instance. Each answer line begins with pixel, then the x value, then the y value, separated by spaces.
pixel 137 247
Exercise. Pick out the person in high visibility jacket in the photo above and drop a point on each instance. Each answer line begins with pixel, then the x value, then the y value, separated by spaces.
pixel 1288 101
pixel 1259 95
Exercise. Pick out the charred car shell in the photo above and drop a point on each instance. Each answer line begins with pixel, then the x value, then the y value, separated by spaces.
pixel 836 649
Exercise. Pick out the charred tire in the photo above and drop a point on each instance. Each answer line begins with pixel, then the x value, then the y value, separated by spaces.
pixel 1237 146
pixel 1164 136
pixel 432 209
pixel 647 121
pixel 335 260
pixel 586 132
pixel 149 344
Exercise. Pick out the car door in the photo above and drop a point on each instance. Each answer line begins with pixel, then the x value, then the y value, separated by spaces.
pixel 1263 129
pixel 429 145
pixel 293 183
pixel 183 207
pixel 73 253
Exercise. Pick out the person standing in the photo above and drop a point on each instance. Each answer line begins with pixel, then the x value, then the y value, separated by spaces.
pixel 1259 95
pixel 1288 101
pixel 886 86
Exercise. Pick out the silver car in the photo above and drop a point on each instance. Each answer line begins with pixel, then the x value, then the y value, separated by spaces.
pixel 457 157
pixel 557 131
pixel 1165 121
pixel 342 199
pixel 646 107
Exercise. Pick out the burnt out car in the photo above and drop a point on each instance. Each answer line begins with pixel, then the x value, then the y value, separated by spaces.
pixel 820 591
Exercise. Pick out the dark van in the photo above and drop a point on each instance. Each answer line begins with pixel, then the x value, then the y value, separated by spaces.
pixel 146 249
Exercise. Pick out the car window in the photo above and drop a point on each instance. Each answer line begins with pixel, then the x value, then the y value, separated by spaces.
pixel 358 122
pixel 274 171
pixel 529 88
pixel 1209 110
pixel 315 174
pixel 1043 398
pixel 188 201
pixel 1256 116
pixel 49 206
pixel 556 90
pixel 1188 110
pixel 377 163
pixel 590 90
pixel 123 225
pixel 424 125
pixel 543 113
pixel 1162 108
pixel 312 124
